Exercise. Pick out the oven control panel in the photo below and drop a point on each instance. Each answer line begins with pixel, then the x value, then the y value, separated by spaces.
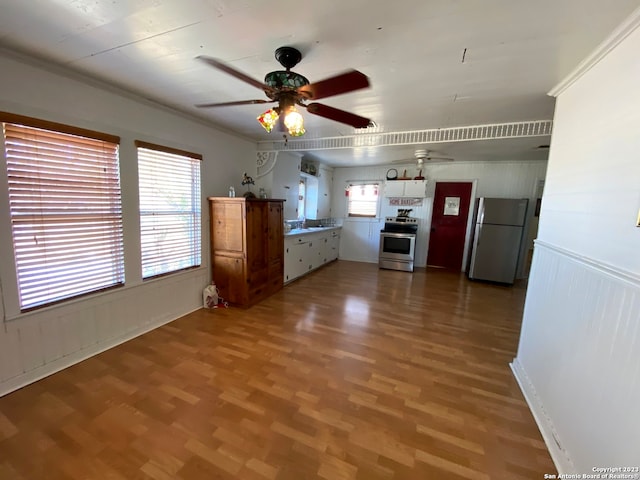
pixel 406 220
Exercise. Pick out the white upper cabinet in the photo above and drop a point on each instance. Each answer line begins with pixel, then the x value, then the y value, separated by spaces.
pixel 284 180
pixel 394 188
pixel 415 188
pixel 318 201
pixel 405 188
pixel 325 184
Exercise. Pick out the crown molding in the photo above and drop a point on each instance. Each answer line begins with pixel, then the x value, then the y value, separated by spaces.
pixel 627 27
pixel 32 60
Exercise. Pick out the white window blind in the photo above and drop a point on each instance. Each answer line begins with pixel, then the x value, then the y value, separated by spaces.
pixel 170 212
pixel 66 214
pixel 362 200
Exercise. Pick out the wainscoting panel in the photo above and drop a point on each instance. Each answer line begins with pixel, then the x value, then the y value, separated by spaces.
pixel 578 361
pixel 41 343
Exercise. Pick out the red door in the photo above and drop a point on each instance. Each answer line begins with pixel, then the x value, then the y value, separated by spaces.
pixel 449 224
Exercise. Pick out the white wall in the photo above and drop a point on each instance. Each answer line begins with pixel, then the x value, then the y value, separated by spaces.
pixel 36 344
pixel 578 361
pixel 360 238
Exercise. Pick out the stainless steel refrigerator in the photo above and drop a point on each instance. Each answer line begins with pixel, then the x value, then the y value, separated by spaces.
pixel 497 239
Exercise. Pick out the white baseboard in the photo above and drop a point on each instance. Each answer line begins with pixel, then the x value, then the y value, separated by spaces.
pixel 17 382
pixel 560 457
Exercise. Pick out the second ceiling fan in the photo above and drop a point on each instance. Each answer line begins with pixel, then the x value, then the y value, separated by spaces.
pixel 422 156
pixel 289 89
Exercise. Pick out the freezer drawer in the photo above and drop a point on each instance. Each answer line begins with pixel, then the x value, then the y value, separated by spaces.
pixel 495 253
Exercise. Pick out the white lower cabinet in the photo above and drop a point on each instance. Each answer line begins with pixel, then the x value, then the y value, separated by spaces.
pixel 333 245
pixel 315 248
pixel 324 250
pixel 320 250
pixel 307 252
pixel 296 257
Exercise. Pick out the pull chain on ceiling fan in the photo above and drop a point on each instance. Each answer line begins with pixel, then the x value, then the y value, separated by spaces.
pixel 290 89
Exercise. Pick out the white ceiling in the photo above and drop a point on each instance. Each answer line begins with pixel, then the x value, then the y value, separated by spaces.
pixel 431 63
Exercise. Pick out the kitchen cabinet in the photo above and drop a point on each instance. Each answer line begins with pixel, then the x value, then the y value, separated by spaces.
pixel 323 253
pixel 334 245
pixel 247 248
pixel 405 188
pixel 360 239
pixel 315 251
pixel 306 252
pixel 296 257
pixel 325 184
pixel 394 188
pixel 318 204
pixel 282 182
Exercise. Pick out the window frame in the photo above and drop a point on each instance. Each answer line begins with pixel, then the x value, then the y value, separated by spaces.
pixel 111 215
pixel 373 183
pixel 195 212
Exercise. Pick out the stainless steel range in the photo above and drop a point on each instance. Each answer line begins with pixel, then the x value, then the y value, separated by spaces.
pixel 398 242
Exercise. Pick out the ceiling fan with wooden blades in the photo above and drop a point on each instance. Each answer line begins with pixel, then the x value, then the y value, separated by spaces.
pixel 289 89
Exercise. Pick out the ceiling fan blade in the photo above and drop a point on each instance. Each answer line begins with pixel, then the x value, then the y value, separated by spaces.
pixel 232 104
pixel 215 63
pixel 343 83
pixel 338 115
pixel 406 161
pixel 439 159
pixel 421 161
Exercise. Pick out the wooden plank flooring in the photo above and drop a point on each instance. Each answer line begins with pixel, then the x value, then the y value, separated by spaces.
pixel 349 373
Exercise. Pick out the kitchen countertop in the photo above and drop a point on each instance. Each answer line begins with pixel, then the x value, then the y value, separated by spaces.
pixel 303 231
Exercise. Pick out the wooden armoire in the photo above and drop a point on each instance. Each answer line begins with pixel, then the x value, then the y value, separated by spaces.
pixel 247 248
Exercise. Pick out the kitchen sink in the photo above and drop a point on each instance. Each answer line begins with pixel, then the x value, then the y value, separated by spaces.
pixel 297 231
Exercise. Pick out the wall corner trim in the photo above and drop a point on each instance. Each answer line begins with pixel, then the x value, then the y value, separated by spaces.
pixel 618 35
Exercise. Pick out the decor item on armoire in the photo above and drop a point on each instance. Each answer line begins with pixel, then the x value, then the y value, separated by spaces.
pixel 289 89
pixel 247 248
pixel 248 181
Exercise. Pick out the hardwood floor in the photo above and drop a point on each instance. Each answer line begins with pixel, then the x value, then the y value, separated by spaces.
pixel 349 373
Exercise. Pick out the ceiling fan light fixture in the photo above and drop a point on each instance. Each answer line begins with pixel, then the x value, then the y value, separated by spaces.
pixel 268 119
pixel 281 79
pixel 294 122
pixel 289 88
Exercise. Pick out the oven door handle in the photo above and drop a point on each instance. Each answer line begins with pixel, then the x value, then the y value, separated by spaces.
pixel 398 234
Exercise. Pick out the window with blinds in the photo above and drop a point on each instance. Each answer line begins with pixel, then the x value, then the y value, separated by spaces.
pixel 170 212
pixel 362 200
pixel 65 207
